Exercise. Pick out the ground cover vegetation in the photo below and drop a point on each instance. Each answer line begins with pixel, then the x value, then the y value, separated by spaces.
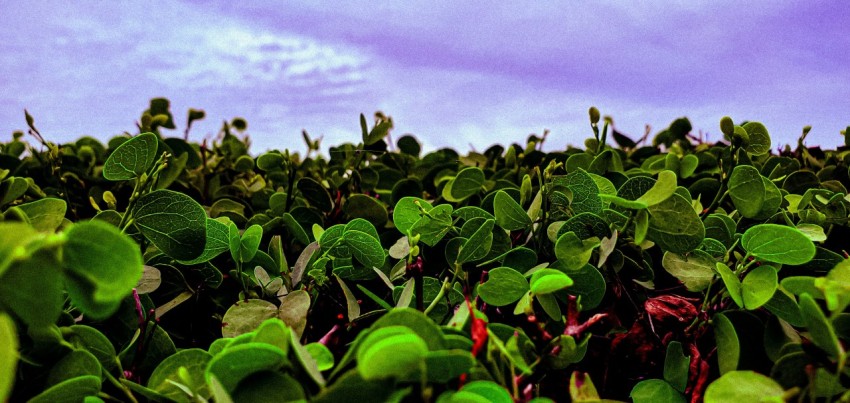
pixel 664 269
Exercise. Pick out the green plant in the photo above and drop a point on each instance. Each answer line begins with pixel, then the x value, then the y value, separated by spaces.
pixel 150 268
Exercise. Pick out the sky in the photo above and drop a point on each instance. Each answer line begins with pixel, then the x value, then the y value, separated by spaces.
pixel 462 74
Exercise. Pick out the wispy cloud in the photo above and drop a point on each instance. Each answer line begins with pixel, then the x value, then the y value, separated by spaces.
pixel 454 76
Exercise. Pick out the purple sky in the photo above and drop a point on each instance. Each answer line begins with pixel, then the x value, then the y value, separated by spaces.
pixel 460 76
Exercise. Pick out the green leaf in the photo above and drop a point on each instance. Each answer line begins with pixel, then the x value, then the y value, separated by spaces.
pixel 504 286
pixel 406 212
pixel 509 214
pixel 365 207
pixel 245 316
pixel 467 183
pixel 323 356
pixel 728 347
pixel 91 339
pixel 103 267
pixel 588 284
pixel 641 226
pixel 478 245
pixel 759 143
pixel 239 362
pixel 31 287
pixel 132 158
pixel 293 310
pixel 675 226
pixel 172 221
pixel 193 362
pixel 661 190
pixel 758 286
pixel 366 249
pixel 11 189
pixel 655 390
pixel 75 363
pixel 695 270
pixel 218 242
pixel 785 307
pixel 733 285
pixel 263 386
pixel 490 391
pixel 744 386
pixel 8 355
pixel 315 193
pixel 570 352
pixel 547 281
pixel 446 365
pixel 273 332
pixel 676 366
pixel 754 195
pixel 389 352
pixel 46 214
pixel 573 252
pixel 350 301
pixel 71 390
pixel 585 192
pixel 779 244
pixel 249 243
pixel 813 231
pixel 417 321
pixel 434 227
pixel 820 328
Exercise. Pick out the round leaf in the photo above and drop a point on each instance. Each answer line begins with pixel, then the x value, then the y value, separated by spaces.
pixel 323 356
pixel 674 225
pixel 239 362
pixel 245 316
pixel 695 270
pixel 132 158
pixel 743 386
pixel 661 190
pixel 45 214
pixel 467 183
pixel 366 249
pixel 779 244
pixel 249 243
pixel 655 390
pixel 758 286
pixel 509 214
pixel 752 194
pixel 728 347
pixel 547 281
pixel 103 265
pixel 194 361
pixel 366 207
pixel 396 355
pixel 759 139
pixel 174 222
pixel 504 286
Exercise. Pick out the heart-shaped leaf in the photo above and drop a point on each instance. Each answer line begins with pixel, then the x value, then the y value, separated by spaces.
pixel 695 270
pixel 509 214
pixel 46 214
pixel 744 386
pixel 504 286
pixel 753 195
pixel 467 183
pixel 478 245
pixel 547 281
pixel 172 221
pixel 193 362
pixel 132 158
pixel 778 243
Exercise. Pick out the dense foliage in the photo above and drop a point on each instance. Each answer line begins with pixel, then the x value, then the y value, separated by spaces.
pixel 151 268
